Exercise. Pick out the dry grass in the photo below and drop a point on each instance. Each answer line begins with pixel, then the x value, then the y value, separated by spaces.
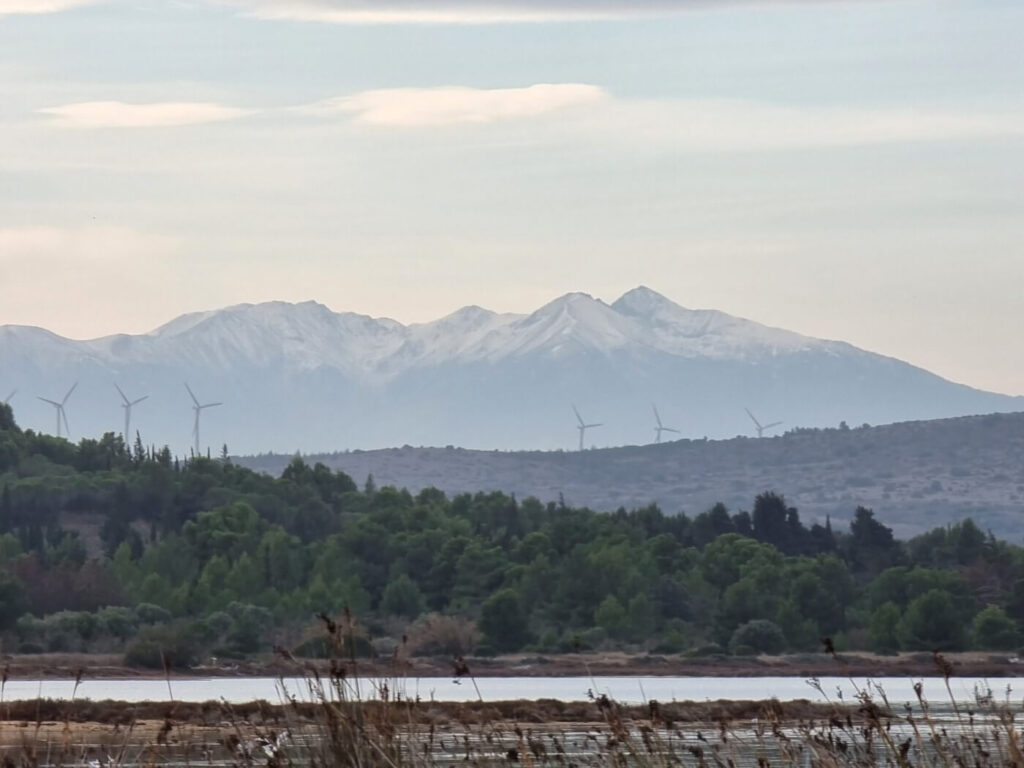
pixel 342 720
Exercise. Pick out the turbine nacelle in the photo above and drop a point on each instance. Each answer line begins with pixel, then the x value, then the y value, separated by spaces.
pixel 660 427
pixel 198 408
pixel 583 426
pixel 127 405
pixel 757 424
pixel 62 416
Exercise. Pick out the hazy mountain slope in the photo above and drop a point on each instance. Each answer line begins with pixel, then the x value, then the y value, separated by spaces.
pixel 299 376
pixel 915 475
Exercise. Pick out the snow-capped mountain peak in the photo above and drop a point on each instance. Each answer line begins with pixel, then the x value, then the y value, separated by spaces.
pixel 643 302
pixel 303 376
pixel 570 323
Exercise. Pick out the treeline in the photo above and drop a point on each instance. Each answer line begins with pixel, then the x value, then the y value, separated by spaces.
pixel 109 547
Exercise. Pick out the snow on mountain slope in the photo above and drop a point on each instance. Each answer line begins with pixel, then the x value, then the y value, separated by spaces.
pixel 707 333
pixel 573 322
pixel 450 338
pixel 309 336
pixel 299 336
pixel 37 347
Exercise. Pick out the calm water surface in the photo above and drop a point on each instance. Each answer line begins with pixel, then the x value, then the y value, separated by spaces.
pixel 623 689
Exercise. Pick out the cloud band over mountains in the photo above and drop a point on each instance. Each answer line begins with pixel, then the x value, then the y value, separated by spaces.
pixel 470 11
pixel 12 7
pixel 424 11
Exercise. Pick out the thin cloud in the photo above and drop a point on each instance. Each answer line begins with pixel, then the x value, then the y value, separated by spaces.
pixel 465 11
pixel 119 114
pixel 12 7
pixel 451 105
pixel 743 126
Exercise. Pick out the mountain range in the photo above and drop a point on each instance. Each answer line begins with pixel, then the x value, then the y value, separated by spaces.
pixel 302 377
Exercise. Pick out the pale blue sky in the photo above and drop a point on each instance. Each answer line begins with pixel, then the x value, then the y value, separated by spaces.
pixel 848 170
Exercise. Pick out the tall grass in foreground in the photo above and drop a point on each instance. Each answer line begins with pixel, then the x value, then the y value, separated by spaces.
pixel 339 718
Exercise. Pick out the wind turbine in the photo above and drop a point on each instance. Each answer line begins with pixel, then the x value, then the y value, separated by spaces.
pixel 61 415
pixel 198 409
pixel 10 397
pixel 757 424
pixel 128 411
pixel 583 427
pixel 659 429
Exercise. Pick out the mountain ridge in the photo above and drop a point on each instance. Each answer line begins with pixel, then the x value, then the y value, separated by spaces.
pixel 916 475
pixel 304 376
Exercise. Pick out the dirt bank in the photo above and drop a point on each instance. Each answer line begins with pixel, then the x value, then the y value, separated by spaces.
pixel 53 716
pixel 52 666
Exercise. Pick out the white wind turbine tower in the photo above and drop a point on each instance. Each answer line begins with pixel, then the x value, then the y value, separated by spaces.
pixel 583 427
pixel 128 411
pixel 757 424
pixel 198 409
pixel 660 428
pixel 61 414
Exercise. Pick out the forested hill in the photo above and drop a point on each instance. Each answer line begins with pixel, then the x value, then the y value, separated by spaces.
pixel 105 547
pixel 917 475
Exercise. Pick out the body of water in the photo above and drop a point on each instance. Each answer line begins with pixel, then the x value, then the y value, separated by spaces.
pixel 623 689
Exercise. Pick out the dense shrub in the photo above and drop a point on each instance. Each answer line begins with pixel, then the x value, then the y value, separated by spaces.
pixel 176 646
pixel 757 636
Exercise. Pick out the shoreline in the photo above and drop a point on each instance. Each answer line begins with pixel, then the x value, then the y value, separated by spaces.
pixel 111 667
pixel 50 712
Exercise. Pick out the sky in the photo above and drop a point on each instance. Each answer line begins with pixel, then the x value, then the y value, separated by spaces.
pixel 848 170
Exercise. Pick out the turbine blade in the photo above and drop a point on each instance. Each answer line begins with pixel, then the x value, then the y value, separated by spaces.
pixel 669 429
pixel 210 405
pixel 69 393
pixel 10 396
pixel 657 417
pixel 136 402
pixel 54 403
pixel 578 417
pixel 773 424
pixel 192 394
pixel 599 424
pixel 122 394
pixel 756 422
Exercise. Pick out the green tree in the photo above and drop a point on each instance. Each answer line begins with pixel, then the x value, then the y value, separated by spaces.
pixel 503 622
pixel 643 618
pixel 244 579
pixel 12 600
pixel 402 598
pixel 932 622
pixel 612 617
pixel 883 629
pixel 993 630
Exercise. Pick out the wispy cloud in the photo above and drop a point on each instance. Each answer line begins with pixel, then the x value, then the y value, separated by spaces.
pixel 581 112
pixel 119 114
pixel 453 105
pixel 12 7
pixel 465 11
